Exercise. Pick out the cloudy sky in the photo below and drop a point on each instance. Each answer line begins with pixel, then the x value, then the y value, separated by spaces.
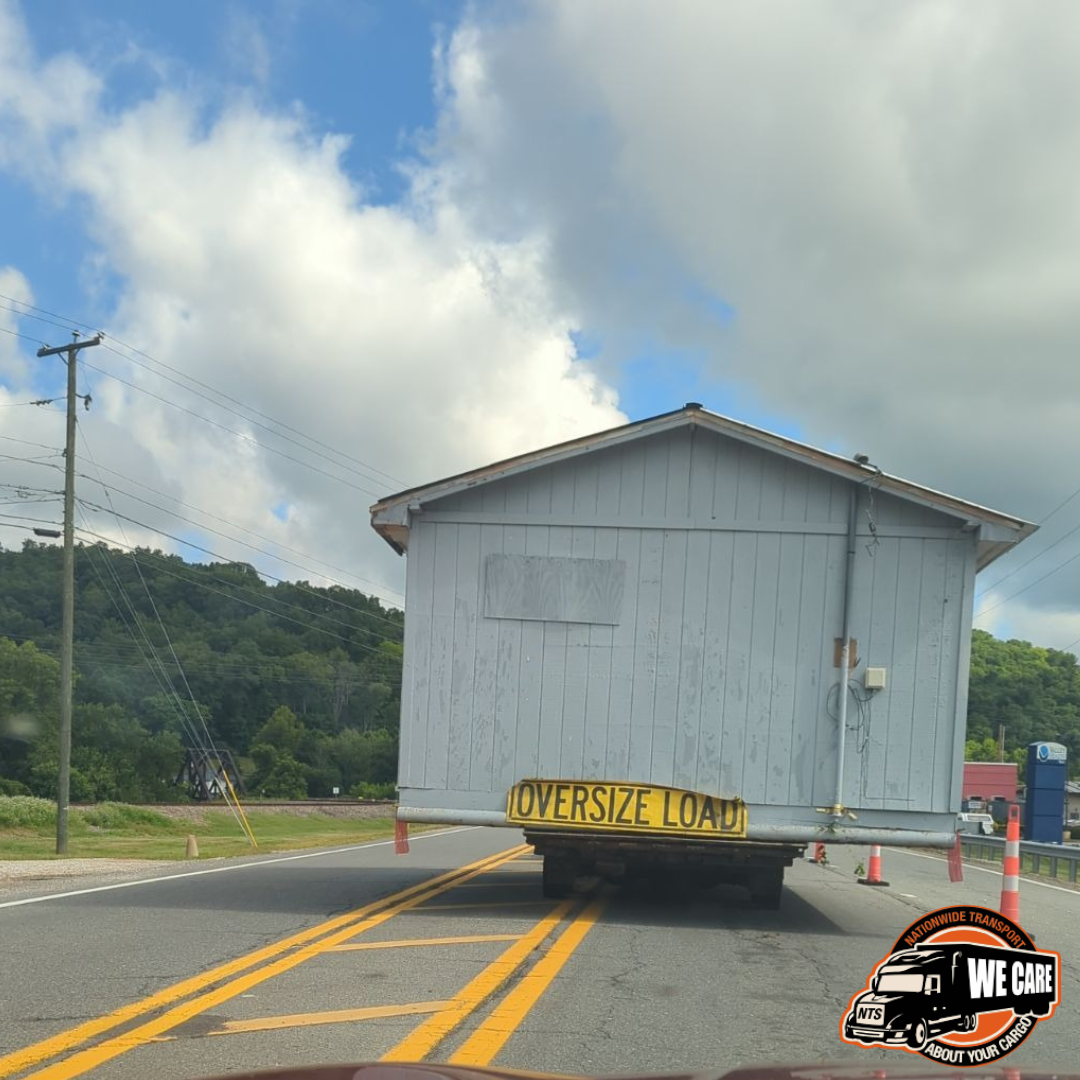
pixel 339 248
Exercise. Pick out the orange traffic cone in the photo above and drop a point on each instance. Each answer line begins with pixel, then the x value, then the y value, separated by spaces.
pixel 1010 873
pixel 874 877
pixel 819 854
pixel 401 838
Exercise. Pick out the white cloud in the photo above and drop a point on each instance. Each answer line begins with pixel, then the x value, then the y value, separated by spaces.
pixel 884 194
pixel 14 369
pixel 248 259
pixel 1042 626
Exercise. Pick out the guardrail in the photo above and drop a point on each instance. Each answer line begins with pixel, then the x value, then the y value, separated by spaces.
pixel 1048 860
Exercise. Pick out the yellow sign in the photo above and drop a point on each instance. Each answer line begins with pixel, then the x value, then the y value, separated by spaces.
pixel 635 808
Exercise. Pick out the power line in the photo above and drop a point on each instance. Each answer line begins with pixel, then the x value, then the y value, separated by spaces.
pixel 366 474
pixel 1028 561
pixel 150 657
pixel 27 528
pixel 216 532
pixel 225 536
pixel 285 603
pixel 28 487
pixel 25 337
pixel 232 524
pixel 42 461
pixel 208 420
pixel 237 599
pixel 195 669
pixel 33 307
pixel 1064 502
pixel 231 431
pixel 28 442
pixel 1031 585
pixel 28 500
pixel 165 685
pixel 256 412
pixel 1042 521
pixel 30 315
pixel 70 323
pixel 199 547
pixel 273 672
pixel 227 791
pixel 37 521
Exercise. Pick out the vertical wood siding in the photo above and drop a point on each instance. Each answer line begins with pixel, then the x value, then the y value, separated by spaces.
pixel 719 675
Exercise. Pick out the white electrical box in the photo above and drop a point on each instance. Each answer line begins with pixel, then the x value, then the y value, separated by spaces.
pixel 874 679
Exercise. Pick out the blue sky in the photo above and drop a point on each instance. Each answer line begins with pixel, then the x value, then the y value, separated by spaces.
pixel 358 68
pixel 844 288
pixel 362 69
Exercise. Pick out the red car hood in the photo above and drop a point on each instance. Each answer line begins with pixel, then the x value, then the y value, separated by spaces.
pixel 901 1070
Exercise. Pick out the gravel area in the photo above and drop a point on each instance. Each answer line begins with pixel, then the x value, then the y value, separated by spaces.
pixel 47 869
pixel 23 878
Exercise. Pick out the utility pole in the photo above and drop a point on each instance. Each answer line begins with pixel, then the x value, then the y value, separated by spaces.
pixel 63 786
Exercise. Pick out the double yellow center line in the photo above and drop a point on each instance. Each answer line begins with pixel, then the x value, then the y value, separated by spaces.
pixel 488 1039
pixel 234 977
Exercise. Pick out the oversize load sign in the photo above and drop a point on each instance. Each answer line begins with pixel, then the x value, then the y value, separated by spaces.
pixel 637 808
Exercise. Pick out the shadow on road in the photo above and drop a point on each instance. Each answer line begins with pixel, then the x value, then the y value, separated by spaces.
pixel 308 891
pixel 724 907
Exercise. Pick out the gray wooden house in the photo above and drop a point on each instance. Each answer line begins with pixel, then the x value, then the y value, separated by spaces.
pixel 665 603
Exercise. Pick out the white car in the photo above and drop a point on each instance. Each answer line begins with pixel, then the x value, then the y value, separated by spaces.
pixel 978 824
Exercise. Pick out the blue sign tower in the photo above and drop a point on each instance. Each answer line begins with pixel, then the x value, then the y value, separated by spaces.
pixel 1044 803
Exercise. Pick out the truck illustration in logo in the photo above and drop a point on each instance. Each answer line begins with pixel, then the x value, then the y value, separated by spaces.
pixel 929 991
pixel 950 992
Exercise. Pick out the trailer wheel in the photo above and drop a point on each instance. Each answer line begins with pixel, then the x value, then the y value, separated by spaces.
pixel 969 1023
pixel 767 887
pixel 558 878
pixel 918 1035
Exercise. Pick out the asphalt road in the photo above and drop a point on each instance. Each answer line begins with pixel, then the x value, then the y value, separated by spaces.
pixel 359 954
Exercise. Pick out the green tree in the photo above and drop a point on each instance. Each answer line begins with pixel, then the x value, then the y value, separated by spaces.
pixel 29 706
pixel 283 731
pixel 1033 691
pixel 981 750
pixel 113 757
pixel 330 655
pixel 280 775
pixel 369 756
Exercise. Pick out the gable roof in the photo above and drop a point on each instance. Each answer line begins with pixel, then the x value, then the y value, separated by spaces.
pixel 998 531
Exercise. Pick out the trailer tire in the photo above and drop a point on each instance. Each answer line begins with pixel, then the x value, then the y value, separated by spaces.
pixel 558 878
pixel 969 1023
pixel 767 888
pixel 918 1035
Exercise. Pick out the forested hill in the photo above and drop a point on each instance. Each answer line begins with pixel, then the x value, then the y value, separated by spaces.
pixel 302 683
pixel 325 663
pixel 1034 692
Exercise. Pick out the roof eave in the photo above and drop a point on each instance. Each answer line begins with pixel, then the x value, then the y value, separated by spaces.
pixel 390 516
